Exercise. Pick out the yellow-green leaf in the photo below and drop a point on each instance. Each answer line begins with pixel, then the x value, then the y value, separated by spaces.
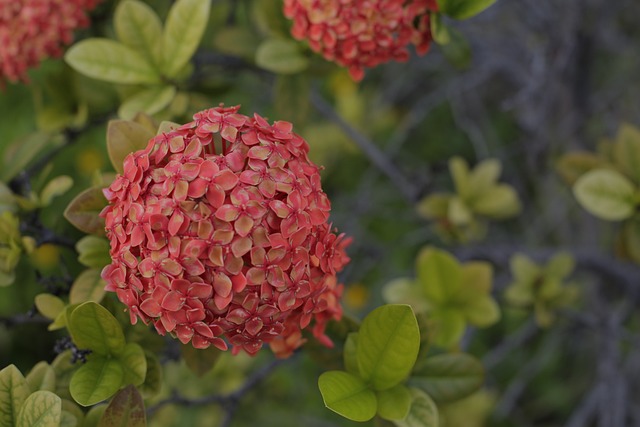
pixel 96 380
pixel 84 211
pixel 347 395
pixel 93 327
pixel 606 194
pixel 394 403
pixel 14 389
pixel 125 137
pixel 423 411
pixel 138 26
pixel 88 286
pixel 41 409
pixel 185 26
pixel 49 305
pixel 281 56
pixel 148 101
pixel 42 377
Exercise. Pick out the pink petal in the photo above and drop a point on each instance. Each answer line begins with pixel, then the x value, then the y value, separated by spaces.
pixel 241 246
pixel 243 225
pixel 226 179
pixel 173 301
pixel 227 213
pixel 151 308
pixel 222 284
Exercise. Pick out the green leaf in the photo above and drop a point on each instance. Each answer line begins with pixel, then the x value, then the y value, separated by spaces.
pixel 560 266
pixel 606 194
pixel 423 411
pixel 148 101
pixel 64 370
pixel 185 26
pixel 291 95
pixel 41 409
pixel 84 211
pixel 439 31
pixel 134 364
pixel 448 377
pixel 125 137
pixel 439 274
pixel 463 9
pixel 72 410
pixel 111 61
pixel 482 312
pixel 350 353
pixel 458 50
pixel 56 187
pixel 153 377
pixel 523 268
pixel 434 206
pixel 93 251
pixel 573 165
pixel 93 327
pixel 14 389
pixel 21 152
pixel 42 377
pixel 626 151
pixel 94 416
pixel 347 395
pixel 388 344
pixel 138 26
pixel 405 291
pixel 460 173
pixel 67 419
pixel 484 176
pixel 236 40
pixel 394 403
pixel 125 410
pixel 200 361
pixel 96 380
pixel 477 279
pixel 88 286
pixel 449 326
pixel 499 203
pixel 49 305
pixel 458 212
pixel 281 56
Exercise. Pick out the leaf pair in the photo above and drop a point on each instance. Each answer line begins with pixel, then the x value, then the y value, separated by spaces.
pixel 452 294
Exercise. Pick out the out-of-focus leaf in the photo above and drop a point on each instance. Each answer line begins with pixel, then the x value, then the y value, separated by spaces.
pixel 42 377
pixel 56 187
pixel 185 26
pixel 463 9
pixel 626 151
pixel 448 377
pixel 405 291
pixel 482 312
pixel 448 326
pixel 96 380
pixel 292 97
pixel 347 395
pixel 83 211
pixel 423 411
pixel 238 41
pixel 281 56
pixel 153 377
pixel 500 202
pixel 573 165
pixel 388 344
pixel 460 173
pixel 125 409
pixel 439 274
pixel 93 251
pixel 94 416
pixel 40 409
pixel 606 194
pixel 351 354
pixel 14 390
pixel 21 152
pixel 457 50
pixel 394 403
pixel 111 61
pixel 88 286
pixel 125 137
pixel 49 305
pixel 138 26
pixel 148 101
pixel 134 364
pixel 200 361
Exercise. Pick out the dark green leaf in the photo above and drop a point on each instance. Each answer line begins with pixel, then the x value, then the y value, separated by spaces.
pixel 448 377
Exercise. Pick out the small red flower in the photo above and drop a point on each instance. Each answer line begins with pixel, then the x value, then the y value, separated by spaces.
pixel 219 236
pixel 34 30
pixel 362 34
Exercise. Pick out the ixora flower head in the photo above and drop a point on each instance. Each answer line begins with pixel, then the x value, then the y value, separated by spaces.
pixel 362 33
pixel 219 235
pixel 33 30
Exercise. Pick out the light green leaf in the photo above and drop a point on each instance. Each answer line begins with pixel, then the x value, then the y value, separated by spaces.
pixel 560 266
pixel 185 26
pixel 281 56
pixel 439 274
pixel 626 151
pixel 153 377
pixel 14 389
pixel 423 411
pixel 88 286
pixel 93 327
pixel 134 364
pixel 125 137
pixel 111 61
pixel 350 354
pixel 49 305
pixel 347 395
pixel 523 268
pixel 484 176
pixel 148 101
pixel 200 361
pixel 388 344
pixel 439 31
pixel 41 409
pixel 21 152
pixel 73 410
pixel 448 377
pixel 138 26
pixel 64 370
pixel 499 202
pixel 96 380
pixel 477 279
pixel 93 251
pixel 42 377
pixel 394 403
pixel 56 187
pixel 458 212
pixel 434 206
pixel 405 291
pixel 463 9
pixel 482 312
pixel 449 326
pixel 459 170
pixel 84 211
pixel 606 194
pixel 126 409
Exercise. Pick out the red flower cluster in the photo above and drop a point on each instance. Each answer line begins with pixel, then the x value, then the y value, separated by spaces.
pixel 231 246
pixel 362 33
pixel 33 30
